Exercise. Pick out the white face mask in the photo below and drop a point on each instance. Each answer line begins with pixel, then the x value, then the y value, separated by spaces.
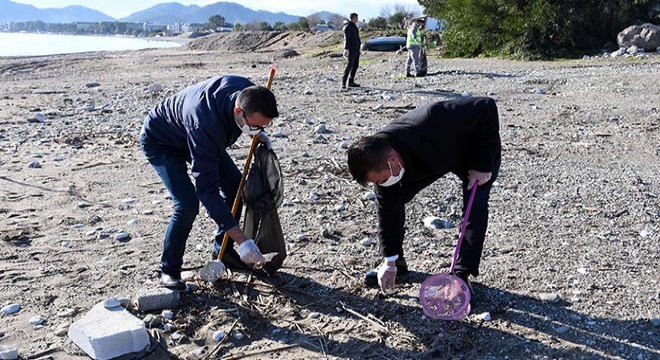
pixel 246 129
pixel 393 179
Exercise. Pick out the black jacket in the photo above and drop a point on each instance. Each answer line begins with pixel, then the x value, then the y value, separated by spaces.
pixel 449 136
pixel 351 37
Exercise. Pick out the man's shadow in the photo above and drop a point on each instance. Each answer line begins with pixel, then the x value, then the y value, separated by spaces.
pixel 520 325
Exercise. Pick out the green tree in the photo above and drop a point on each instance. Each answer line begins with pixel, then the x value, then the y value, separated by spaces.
pixel 238 27
pixel 264 26
pixel 304 23
pixel 378 22
pixel 215 22
pixel 294 26
pixel 535 28
pixel 279 26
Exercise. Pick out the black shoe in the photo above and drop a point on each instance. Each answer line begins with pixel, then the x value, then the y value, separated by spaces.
pixel 466 278
pixel 343 86
pixel 171 282
pixel 352 84
pixel 371 277
pixel 409 75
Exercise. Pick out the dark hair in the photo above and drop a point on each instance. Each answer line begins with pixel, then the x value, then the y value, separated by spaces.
pixel 352 14
pixel 258 99
pixel 366 154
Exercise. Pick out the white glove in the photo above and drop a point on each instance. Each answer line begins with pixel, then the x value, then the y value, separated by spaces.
pixel 264 139
pixel 386 277
pixel 346 53
pixel 250 253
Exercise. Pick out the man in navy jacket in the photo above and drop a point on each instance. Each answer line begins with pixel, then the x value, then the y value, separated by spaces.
pixel 196 126
pixel 351 52
pixel 412 152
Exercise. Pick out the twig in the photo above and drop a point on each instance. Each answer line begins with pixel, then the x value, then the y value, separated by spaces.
pixel 248 354
pixel 217 347
pixel 375 324
pixel 94 165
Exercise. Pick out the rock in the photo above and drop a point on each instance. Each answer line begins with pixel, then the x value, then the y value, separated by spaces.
pixel 302 237
pixel 632 50
pixel 111 303
pixel 67 244
pixel 170 327
pixel 370 195
pixel 618 53
pixel 345 144
pixel 155 88
pixel 133 222
pixel 34 165
pixel 218 335
pixel 122 236
pixel 91 233
pixel 62 329
pixel 36 320
pixel 321 129
pixel 367 242
pixel 436 223
pixel 152 321
pixel 484 316
pixel 561 329
pixel 199 353
pixel 167 314
pixel 465 94
pixel 147 212
pixel 83 204
pixel 583 270
pixel 655 322
pixel 37 118
pixel 314 196
pixel 645 233
pixel 8 352
pixel 340 207
pixel 92 85
pixel 66 313
pixel 237 335
pixel 11 309
pixel 538 91
pixel 314 315
pixel 645 36
pixel 58 158
pixel 549 297
pixel 278 134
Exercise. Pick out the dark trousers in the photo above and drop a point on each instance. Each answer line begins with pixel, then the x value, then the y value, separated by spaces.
pixel 171 166
pixel 351 66
pixel 469 256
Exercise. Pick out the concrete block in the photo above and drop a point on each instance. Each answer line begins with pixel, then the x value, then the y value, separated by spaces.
pixel 107 333
pixel 156 299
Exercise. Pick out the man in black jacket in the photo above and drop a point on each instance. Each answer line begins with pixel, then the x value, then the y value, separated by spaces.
pixel 412 152
pixel 351 51
pixel 196 126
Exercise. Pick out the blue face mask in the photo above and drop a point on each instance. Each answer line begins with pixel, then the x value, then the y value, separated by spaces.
pixel 393 179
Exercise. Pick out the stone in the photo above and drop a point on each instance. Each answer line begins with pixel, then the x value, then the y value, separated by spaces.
pixel 436 223
pixel 167 314
pixel 58 158
pixel 632 50
pixel 320 129
pixel 62 329
pixel 34 165
pixel 83 204
pixel 367 242
pixel 108 333
pixel 156 299
pixel 92 85
pixel 11 309
pixel 340 207
pixel 583 270
pixel 645 233
pixel 37 118
pixel 278 134
pixel 218 335
pixel 155 88
pixel 66 313
pixel 345 144
pixel 67 244
pixel 122 236
pixel 302 237
pixel 147 212
pixel 538 91
pixel 645 36
pixel 549 297
pixel 111 303
pixel 314 315
pixel 618 53
pixel 484 316
pixel 8 352
pixel 237 335
pixel 465 94
pixel 561 329
pixel 36 320
pixel 133 222
pixel 370 195
pixel 655 322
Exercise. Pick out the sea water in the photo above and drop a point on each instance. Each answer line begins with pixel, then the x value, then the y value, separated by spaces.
pixel 29 44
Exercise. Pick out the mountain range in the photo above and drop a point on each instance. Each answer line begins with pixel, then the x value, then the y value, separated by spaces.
pixel 161 13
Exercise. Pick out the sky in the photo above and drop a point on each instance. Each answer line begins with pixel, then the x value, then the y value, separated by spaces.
pixel 122 8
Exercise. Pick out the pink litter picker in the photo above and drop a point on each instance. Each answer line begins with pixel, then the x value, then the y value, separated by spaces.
pixel 446 296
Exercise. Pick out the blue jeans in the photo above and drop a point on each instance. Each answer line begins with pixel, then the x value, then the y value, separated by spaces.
pixel 171 166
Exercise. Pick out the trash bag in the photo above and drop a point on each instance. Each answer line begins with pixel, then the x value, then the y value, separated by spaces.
pixel 262 195
pixel 423 62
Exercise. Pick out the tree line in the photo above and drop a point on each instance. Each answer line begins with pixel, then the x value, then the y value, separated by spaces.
pixel 535 29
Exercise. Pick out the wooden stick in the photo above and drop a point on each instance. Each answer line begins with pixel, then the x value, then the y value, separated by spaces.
pixel 375 324
pixel 248 354
pixel 246 167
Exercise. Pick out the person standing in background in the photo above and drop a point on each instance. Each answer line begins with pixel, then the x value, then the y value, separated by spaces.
pixel 351 51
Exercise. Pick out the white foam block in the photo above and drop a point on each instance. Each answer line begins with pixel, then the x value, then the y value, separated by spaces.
pixel 107 333
pixel 156 299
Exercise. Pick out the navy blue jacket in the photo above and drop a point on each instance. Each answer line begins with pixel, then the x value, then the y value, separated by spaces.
pixel 351 37
pixel 200 120
pixel 448 136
